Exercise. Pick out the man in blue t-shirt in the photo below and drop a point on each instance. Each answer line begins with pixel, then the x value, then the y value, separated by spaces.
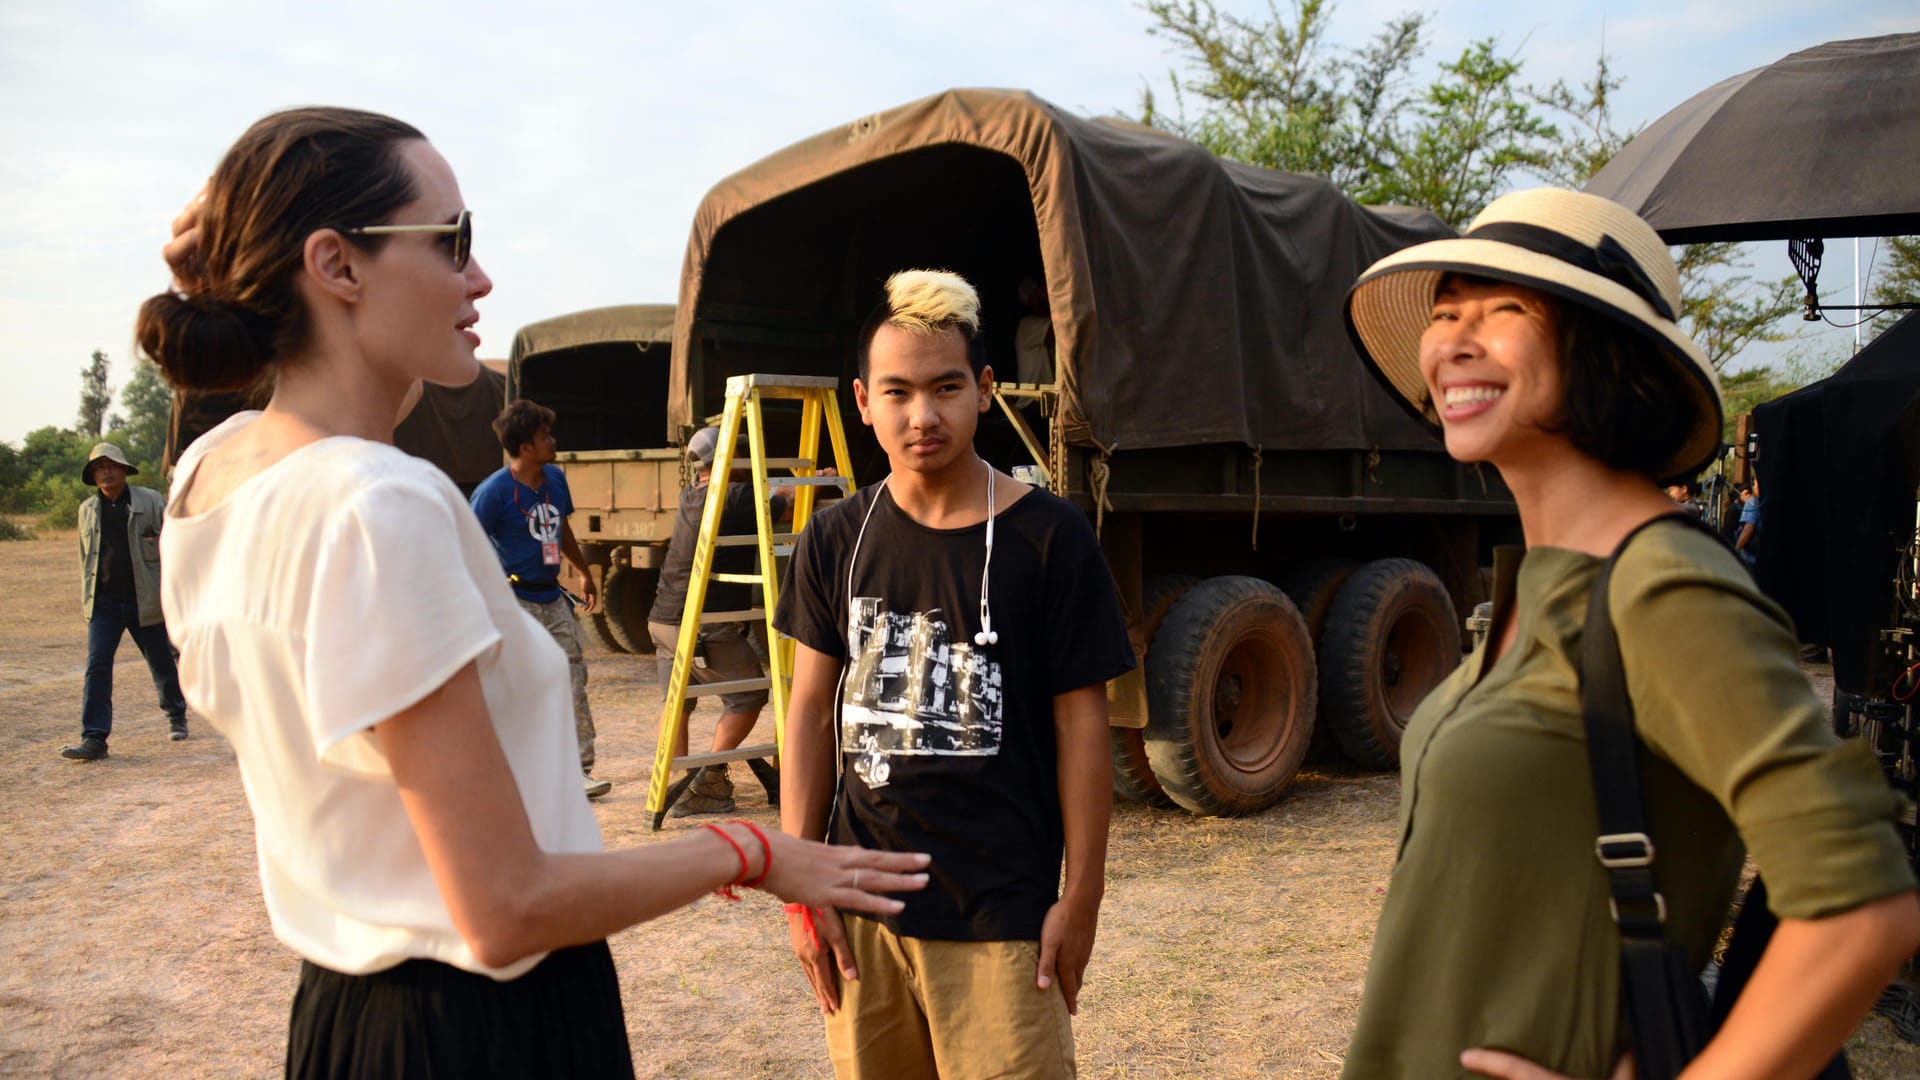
pixel 524 508
pixel 1747 541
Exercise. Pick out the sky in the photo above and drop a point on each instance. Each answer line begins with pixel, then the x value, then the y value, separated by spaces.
pixel 585 133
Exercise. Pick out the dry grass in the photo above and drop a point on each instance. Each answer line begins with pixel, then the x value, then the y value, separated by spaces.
pixel 137 944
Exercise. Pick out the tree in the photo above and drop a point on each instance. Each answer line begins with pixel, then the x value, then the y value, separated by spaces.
pixel 1474 133
pixel 1900 282
pixel 1725 311
pixel 149 405
pixel 14 478
pixel 1269 92
pixel 95 395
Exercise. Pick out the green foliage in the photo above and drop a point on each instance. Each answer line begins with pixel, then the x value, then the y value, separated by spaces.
pixel 1725 311
pixel 1474 132
pixel 149 405
pixel 42 476
pixel 1588 139
pixel 13 481
pixel 1899 283
pixel 1747 388
pixel 95 395
pixel 1271 91
pixel 59 499
pixel 13 530
pixel 1268 91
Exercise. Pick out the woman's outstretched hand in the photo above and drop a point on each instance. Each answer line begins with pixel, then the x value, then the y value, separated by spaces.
pixel 1499 1063
pixel 832 875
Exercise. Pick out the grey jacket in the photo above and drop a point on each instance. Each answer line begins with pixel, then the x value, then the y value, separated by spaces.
pixel 144 519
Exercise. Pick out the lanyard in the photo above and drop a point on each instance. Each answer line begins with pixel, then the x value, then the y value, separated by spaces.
pixel 546 493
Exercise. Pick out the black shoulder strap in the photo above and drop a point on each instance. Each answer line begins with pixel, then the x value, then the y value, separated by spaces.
pixel 1624 846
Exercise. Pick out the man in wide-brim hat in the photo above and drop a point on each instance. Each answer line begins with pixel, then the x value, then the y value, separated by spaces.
pixel 120 595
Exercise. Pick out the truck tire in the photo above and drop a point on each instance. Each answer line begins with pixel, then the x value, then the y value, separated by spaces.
pixel 1390 637
pixel 628 596
pixel 602 630
pixel 1230 696
pixel 596 623
pixel 1133 777
pixel 1312 586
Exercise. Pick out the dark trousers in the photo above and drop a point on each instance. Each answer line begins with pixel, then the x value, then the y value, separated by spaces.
pixel 112 619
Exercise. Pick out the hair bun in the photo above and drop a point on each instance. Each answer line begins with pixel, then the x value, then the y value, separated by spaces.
pixel 201 343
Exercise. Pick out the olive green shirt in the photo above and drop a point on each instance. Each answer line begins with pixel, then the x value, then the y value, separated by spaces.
pixel 1496 930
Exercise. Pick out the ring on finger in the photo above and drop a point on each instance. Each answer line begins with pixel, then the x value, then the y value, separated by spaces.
pixel 856 878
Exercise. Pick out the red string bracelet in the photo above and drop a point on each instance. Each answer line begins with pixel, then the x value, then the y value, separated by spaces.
pixel 806 920
pixel 766 852
pixel 727 890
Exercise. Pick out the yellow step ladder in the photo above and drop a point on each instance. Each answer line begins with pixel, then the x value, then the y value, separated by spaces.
pixel 819 409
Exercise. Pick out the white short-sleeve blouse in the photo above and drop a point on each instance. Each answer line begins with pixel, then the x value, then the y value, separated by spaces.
pixel 328 592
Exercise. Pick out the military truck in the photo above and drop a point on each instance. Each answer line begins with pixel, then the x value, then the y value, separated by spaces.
pixel 450 426
pixel 1288 540
pixel 604 372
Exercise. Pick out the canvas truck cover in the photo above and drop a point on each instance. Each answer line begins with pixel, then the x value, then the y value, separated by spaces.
pixel 451 426
pixel 1193 300
pixel 640 324
pixel 602 371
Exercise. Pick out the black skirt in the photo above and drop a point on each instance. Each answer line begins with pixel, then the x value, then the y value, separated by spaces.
pixel 424 1018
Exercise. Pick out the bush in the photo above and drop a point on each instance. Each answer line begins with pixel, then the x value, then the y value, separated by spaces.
pixel 13 530
pixel 61 496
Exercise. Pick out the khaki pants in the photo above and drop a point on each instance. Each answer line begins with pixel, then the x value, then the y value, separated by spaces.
pixel 957 1010
pixel 557 616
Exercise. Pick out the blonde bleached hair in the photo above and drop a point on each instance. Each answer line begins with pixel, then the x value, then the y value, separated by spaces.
pixel 929 301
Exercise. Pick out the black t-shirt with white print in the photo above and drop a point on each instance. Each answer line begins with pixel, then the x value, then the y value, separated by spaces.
pixel 946 746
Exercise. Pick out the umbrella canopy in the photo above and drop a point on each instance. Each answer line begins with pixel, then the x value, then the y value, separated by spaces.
pixel 1824 143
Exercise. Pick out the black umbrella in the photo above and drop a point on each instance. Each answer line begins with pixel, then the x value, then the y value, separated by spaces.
pixel 1825 143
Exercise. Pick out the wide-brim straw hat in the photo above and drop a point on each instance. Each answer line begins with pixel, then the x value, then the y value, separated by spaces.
pixel 105 451
pixel 1579 248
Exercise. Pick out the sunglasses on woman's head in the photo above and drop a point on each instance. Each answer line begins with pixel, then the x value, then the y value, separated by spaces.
pixel 462 230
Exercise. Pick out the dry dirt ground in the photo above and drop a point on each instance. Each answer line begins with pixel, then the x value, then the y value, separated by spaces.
pixel 134 942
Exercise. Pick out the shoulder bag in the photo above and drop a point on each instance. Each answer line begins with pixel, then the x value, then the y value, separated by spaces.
pixel 1664 1002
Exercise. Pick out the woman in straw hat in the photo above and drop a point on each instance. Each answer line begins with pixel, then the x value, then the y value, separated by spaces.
pixel 403 729
pixel 1543 343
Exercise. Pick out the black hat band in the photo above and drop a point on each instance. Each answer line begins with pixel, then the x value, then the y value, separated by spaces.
pixel 1607 259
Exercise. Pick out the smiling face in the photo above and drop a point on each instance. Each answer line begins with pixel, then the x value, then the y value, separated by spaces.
pixel 1490 357
pixel 921 398
pixel 418 313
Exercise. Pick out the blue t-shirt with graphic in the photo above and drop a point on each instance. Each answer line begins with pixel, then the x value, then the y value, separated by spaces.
pixel 520 520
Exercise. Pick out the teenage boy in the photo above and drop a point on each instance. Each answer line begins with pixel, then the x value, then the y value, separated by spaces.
pixel 955 632
pixel 120 595
pixel 523 508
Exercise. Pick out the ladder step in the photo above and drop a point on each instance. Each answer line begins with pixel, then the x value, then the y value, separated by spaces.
pixel 749 615
pixel 787 463
pixel 749 539
pixel 812 481
pixel 736 579
pixel 731 686
pixel 741 383
pixel 718 757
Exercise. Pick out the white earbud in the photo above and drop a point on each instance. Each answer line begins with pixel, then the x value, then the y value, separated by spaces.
pixel 987 636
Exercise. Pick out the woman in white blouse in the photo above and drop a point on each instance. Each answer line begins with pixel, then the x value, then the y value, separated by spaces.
pixel 401 726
